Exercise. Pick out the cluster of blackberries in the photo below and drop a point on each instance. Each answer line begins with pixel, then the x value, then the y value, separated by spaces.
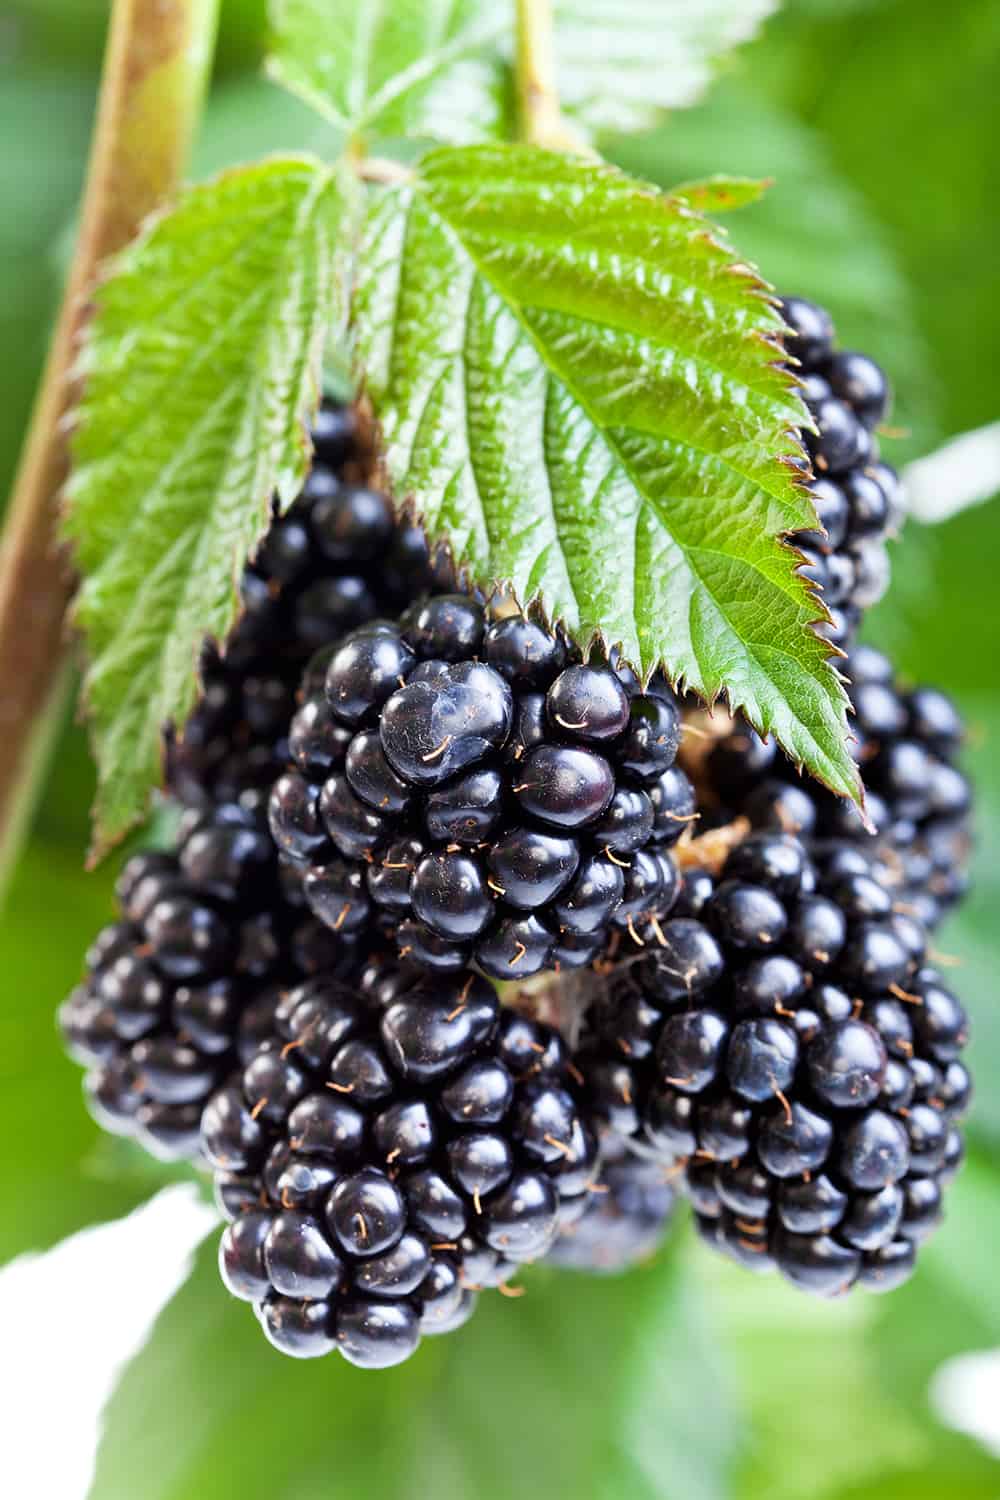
pixel 917 798
pixel 857 496
pixel 398 789
pixel 788 1042
pixel 187 980
pixel 394 1147
pixel 491 799
pixel 338 557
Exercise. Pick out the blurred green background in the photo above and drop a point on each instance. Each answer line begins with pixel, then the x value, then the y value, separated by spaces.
pixel 685 1381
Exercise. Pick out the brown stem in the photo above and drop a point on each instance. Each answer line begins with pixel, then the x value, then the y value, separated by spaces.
pixel 155 69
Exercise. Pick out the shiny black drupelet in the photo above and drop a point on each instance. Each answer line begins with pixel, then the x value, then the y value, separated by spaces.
pixel 858 497
pixel 186 981
pixel 907 745
pixel 337 557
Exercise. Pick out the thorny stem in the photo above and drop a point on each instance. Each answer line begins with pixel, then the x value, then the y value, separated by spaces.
pixel 540 118
pixel 156 67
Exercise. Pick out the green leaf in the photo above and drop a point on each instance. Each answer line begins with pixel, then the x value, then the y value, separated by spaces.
pixel 835 1393
pixel 954 1468
pixel 623 63
pixel 808 1375
pixel 441 69
pixel 604 1388
pixel 202 367
pixel 948 1308
pixel 812 233
pixel 719 194
pixel 950 1305
pixel 579 387
pixel 391 68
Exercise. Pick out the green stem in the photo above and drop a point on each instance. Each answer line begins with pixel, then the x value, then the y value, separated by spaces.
pixel 156 67
pixel 36 753
pixel 540 121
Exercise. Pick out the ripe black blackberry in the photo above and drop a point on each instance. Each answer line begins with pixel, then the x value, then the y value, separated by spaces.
pixel 337 557
pixel 624 1220
pixel 792 1046
pixel 396 1145
pixel 487 796
pixel 187 979
pixel 907 745
pixel 857 496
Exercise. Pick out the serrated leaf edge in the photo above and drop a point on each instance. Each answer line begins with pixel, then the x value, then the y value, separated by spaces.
pixel 784 364
pixel 292 462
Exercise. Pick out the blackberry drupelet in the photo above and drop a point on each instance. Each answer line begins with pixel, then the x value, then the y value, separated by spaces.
pixel 623 1222
pixel 338 557
pixel 907 743
pixel 794 1048
pixel 482 793
pixel 396 1145
pixel 186 980
pixel 858 497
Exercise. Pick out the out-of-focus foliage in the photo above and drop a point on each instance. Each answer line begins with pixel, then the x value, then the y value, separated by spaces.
pixel 904 94
pixel 608 1389
pixel 44 119
pixel 876 118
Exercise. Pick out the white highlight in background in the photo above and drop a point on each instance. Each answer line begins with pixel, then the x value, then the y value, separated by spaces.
pixel 964 472
pixel 965 1393
pixel 71 1318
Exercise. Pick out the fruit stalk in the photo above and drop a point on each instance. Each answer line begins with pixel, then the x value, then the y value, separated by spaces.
pixel 156 66
pixel 540 118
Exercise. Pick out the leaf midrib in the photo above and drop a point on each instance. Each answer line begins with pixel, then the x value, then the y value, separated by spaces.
pixel 424 69
pixel 516 308
pixel 645 500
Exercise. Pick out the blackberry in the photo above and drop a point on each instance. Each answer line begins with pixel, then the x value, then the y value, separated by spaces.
pixel 622 1222
pixel 396 1144
pixel 338 557
pixel 470 785
pixel 805 1082
pixel 907 744
pixel 186 981
pixel 857 497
